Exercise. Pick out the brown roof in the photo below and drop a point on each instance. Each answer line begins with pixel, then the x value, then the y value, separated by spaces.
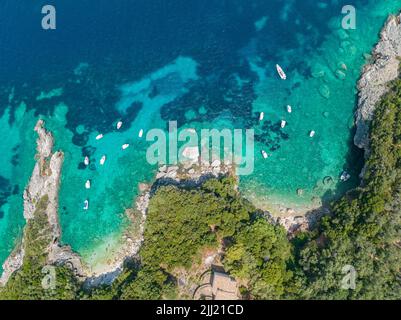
pixel 224 287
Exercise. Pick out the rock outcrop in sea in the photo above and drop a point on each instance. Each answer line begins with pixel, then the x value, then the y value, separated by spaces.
pixel 45 181
pixel 376 76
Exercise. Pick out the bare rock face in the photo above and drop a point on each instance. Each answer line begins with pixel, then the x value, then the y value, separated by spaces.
pixel 13 263
pixel 45 178
pixel 376 76
pixel 45 141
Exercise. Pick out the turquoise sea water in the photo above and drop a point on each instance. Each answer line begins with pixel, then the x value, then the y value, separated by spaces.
pixel 204 65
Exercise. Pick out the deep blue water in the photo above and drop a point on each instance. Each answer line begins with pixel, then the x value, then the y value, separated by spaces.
pixel 134 38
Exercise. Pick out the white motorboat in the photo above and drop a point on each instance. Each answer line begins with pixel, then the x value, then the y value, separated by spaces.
pixel 140 134
pixel 264 154
pixel 88 184
pixel 281 72
pixel 261 116
pixel 119 125
pixel 86 161
pixel 99 136
pixel 86 205
pixel 283 124
pixel 289 109
pixel 125 146
pixel 312 134
pixel 345 176
pixel 102 160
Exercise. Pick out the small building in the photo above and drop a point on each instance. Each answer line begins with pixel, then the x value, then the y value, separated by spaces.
pixel 215 284
pixel 224 287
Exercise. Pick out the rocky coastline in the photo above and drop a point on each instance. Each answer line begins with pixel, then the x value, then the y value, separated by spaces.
pixel 45 181
pixel 375 78
pixel 372 86
pixel 190 174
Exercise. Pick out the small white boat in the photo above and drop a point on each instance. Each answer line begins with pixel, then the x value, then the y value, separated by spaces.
pixel 86 205
pixel 125 146
pixel 264 154
pixel 102 160
pixel 289 109
pixel 283 124
pixel 119 125
pixel 345 176
pixel 140 134
pixel 312 134
pixel 261 116
pixel 86 161
pixel 281 72
pixel 88 184
pixel 99 136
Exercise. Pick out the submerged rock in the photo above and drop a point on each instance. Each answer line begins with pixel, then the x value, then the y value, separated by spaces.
pixel 342 34
pixel 300 192
pixel 318 70
pixel 324 91
pixel 342 66
pixel 340 74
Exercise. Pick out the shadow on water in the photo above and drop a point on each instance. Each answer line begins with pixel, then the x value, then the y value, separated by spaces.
pixel 354 163
pixel 6 191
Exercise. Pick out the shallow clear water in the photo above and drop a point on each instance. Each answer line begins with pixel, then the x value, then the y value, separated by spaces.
pixel 206 65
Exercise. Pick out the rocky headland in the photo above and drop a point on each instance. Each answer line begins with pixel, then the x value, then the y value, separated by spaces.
pixel 44 182
pixel 373 84
pixel 375 78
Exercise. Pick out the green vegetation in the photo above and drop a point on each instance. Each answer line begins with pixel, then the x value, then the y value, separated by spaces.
pixel 259 257
pixel 182 222
pixel 364 230
pixel 26 283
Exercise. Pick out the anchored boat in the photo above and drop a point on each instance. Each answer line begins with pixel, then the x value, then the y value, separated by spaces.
pixel 281 72
pixel 102 160
pixel 345 176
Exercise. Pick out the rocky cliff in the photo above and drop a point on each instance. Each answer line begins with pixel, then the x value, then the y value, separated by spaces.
pixel 376 76
pixel 44 182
